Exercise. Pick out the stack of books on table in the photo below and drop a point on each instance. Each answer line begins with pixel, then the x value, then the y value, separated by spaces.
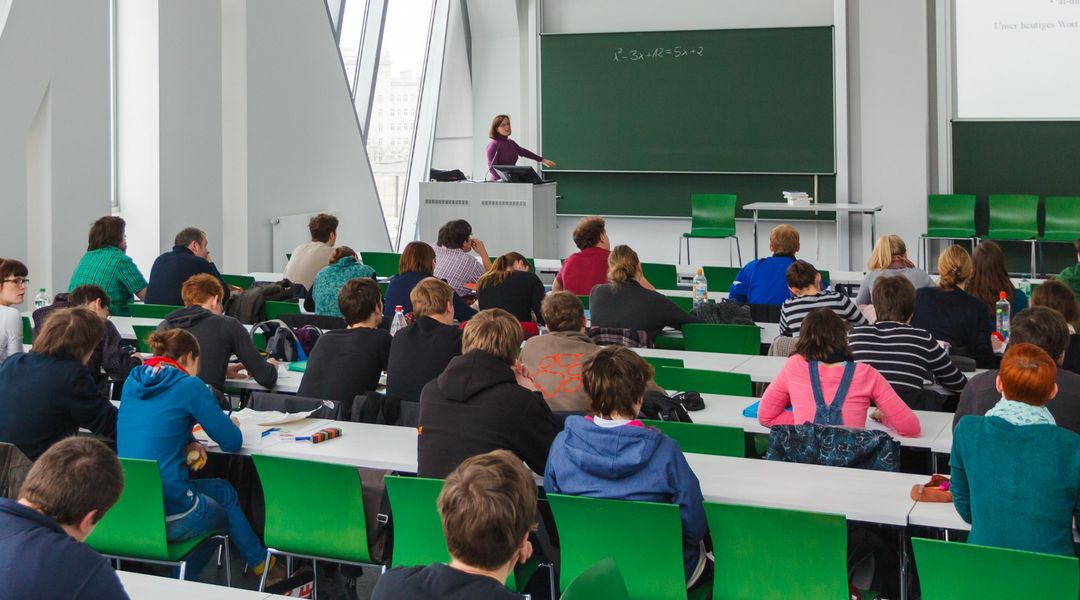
pixel 798 198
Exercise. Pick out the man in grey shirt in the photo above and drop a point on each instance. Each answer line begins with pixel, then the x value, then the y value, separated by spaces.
pixel 1046 329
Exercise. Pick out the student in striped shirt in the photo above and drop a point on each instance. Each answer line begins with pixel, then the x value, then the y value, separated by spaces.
pixel 804 281
pixel 908 357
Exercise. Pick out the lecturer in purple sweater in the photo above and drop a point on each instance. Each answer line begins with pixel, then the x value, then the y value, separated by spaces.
pixel 502 150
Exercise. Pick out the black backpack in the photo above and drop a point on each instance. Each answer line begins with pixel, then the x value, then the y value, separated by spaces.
pixel 725 312
pixel 281 341
pixel 658 406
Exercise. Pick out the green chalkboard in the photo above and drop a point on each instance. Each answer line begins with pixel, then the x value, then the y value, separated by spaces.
pixel 727 101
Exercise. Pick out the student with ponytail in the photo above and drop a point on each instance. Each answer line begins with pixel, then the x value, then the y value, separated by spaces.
pixel 952 315
pixel 511 286
pixel 889 259
pixel 161 403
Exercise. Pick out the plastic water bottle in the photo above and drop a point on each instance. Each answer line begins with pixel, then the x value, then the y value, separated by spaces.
pixel 399 320
pixel 1025 286
pixel 701 288
pixel 41 300
pixel 1002 312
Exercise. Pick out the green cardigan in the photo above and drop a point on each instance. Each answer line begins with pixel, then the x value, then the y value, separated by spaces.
pixel 1018 486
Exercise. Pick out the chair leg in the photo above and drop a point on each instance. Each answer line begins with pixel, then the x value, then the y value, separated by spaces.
pixel 314 579
pixel 183 569
pixel 228 562
pixel 1033 269
pixel 688 261
pixel 678 261
pixel 738 252
pixel 266 569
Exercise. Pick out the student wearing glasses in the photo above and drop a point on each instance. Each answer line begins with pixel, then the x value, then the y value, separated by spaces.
pixel 13 284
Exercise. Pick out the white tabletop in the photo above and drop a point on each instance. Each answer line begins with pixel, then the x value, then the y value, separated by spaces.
pixel 764 369
pixel 263 277
pixel 125 325
pixel 360 445
pixel 288 382
pixel 824 207
pixel 712 361
pixel 860 495
pixel 769 332
pixel 151 587
pixel 943 442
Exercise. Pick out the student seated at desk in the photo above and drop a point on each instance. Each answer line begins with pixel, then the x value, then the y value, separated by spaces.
pixel 344 265
pixel 952 315
pixel 112 358
pixel 1070 276
pixel 162 401
pixel 764 281
pixel 1046 329
pixel 990 277
pixel 488 507
pixel 308 259
pixel 511 286
pixel 107 264
pixel 1015 473
pixel 804 283
pixel 346 363
pixel 823 384
pixel 13 285
pixel 47 394
pixel 417 263
pixel 586 268
pixel 453 263
pixel 611 454
pixel 1056 295
pixel 908 357
pixel 67 492
pixel 421 351
pixel 889 259
pixel 629 301
pixel 189 256
pixel 220 336
pixel 485 400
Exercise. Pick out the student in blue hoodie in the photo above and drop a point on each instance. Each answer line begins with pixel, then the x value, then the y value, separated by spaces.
pixel 611 454
pixel 161 402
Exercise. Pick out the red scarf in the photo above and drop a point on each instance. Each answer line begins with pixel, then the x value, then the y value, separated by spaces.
pixel 164 360
pixel 901 262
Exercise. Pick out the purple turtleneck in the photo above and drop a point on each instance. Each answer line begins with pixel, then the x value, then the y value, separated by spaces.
pixel 505 151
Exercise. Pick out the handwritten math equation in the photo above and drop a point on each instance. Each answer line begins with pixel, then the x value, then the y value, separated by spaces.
pixel 635 55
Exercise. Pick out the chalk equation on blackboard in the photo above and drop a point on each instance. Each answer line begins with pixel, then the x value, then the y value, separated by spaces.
pixel 635 55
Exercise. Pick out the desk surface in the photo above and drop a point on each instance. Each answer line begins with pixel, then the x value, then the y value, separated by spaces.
pixel 824 207
pixel 288 382
pixel 713 361
pixel 360 445
pixel 151 587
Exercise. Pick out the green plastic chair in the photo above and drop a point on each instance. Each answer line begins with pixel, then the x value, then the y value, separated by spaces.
pixel 669 342
pixel 600 581
pixel 142 335
pixel 584 302
pixel 383 285
pixel 950 570
pixel 384 263
pixel 134 529
pixel 646 546
pixel 715 337
pixel 1015 217
pixel 27 331
pixel 1062 219
pixel 698 438
pixel 275 309
pixel 663 277
pixel 151 311
pixel 720 278
pixel 658 362
pixel 682 302
pixel 532 264
pixel 703 381
pixel 948 217
pixel 241 281
pixel 712 216
pixel 314 510
pixel 753 544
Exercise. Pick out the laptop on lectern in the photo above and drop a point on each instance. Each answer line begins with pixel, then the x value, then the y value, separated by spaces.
pixel 517 174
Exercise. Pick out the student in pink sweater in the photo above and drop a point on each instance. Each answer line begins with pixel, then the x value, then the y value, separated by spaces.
pixel 823 348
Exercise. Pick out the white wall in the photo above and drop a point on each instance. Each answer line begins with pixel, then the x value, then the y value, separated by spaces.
pixel 453 147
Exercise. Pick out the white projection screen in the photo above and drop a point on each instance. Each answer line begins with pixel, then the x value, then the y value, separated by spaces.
pixel 1017 59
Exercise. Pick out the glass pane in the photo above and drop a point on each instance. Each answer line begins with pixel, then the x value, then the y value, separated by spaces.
pixel 397 95
pixel 352 29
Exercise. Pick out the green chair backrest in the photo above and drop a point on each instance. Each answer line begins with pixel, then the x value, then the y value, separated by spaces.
pixel 532 264
pixel 274 309
pixel 646 543
pixel 949 570
pixel 682 302
pixel 712 211
pixel 313 508
pixel 950 214
pixel 716 337
pixel 383 285
pixel 418 533
pixel 752 544
pixel 662 276
pixel 384 263
pixel 602 581
pixel 669 342
pixel 704 381
pixel 699 438
pixel 135 525
pixel 658 362
pixel 1014 213
pixel 151 311
pixel 1062 216
pixel 584 302
pixel 27 331
pixel 720 278
pixel 241 281
pixel 142 337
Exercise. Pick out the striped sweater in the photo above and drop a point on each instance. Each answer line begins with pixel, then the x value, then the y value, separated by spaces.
pixel 795 310
pixel 908 357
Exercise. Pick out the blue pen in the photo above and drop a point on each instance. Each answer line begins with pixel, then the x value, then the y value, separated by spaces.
pixel 271 430
pixel 302 438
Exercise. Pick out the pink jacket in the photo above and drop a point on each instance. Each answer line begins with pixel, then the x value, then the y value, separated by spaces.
pixel 792 388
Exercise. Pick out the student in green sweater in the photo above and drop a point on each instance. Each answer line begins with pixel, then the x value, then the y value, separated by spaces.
pixel 1071 275
pixel 1015 473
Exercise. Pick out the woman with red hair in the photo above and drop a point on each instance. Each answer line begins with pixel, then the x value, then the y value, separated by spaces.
pixel 1015 473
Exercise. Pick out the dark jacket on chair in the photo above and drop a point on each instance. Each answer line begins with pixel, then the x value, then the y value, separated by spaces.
pixel 476 406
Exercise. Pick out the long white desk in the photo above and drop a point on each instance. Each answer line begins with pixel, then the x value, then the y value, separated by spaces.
pixel 288 382
pixel 360 445
pixel 151 587
pixel 126 325
pixel 943 515
pixel 839 209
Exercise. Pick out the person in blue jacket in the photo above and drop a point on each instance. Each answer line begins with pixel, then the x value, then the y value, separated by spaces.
pixel 161 403
pixel 764 281
pixel 611 454
pixel 417 264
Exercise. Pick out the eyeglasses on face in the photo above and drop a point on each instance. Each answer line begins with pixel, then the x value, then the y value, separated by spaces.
pixel 18 281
